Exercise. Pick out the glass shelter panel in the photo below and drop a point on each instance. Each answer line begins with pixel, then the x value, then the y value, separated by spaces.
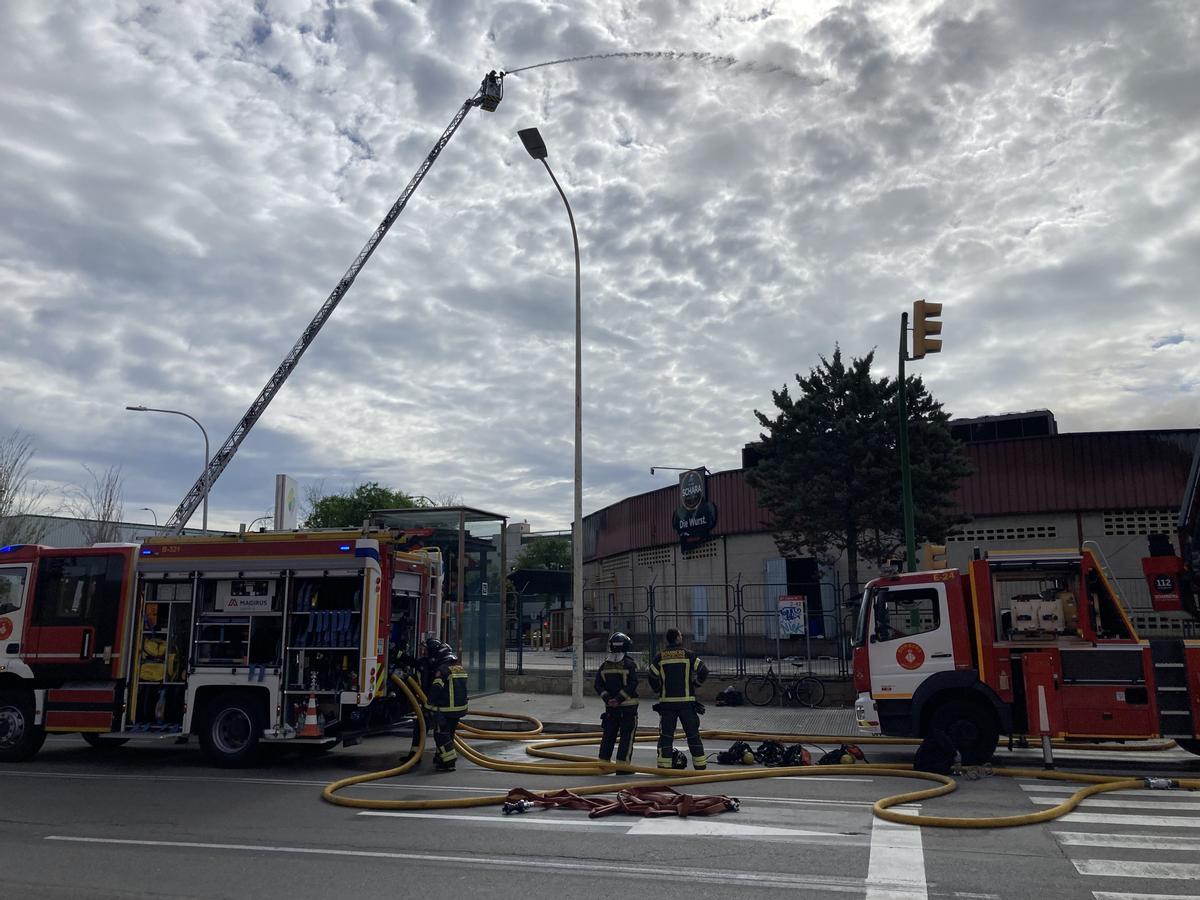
pixel 474 584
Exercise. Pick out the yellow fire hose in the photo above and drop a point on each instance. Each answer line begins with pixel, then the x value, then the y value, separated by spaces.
pixel 577 765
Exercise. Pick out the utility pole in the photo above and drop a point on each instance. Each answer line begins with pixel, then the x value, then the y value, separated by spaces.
pixel 924 324
pixel 910 540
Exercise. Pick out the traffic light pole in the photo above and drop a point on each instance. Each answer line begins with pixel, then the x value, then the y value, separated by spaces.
pixel 910 542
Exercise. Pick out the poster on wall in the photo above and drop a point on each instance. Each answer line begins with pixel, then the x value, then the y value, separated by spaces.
pixel 793 616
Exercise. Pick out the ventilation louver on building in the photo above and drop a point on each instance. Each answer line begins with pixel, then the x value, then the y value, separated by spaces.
pixel 1013 533
pixel 1143 521
pixel 659 556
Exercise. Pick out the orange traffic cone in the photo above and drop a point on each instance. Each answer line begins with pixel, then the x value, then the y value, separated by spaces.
pixel 312 725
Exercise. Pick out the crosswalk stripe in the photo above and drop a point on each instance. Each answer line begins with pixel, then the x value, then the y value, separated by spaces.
pixel 896 869
pixel 1130 868
pixel 1117 819
pixel 1127 841
pixel 1117 895
pixel 1121 804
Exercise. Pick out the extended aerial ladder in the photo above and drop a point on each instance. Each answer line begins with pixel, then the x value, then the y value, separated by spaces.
pixel 488 97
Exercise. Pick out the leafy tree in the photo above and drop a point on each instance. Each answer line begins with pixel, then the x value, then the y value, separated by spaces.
pixel 351 509
pixel 21 501
pixel 546 553
pixel 830 464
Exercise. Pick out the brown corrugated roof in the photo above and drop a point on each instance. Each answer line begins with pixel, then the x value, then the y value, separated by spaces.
pixel 1115 470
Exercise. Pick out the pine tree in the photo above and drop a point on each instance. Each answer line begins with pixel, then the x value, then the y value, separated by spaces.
pixel 829 469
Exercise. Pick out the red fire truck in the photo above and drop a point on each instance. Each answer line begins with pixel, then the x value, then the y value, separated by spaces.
pixel 238 640
pixel 1024 644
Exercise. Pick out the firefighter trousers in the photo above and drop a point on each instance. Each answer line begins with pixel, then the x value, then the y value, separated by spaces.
pixel 441 727
pixel 618 720
pixel 685 714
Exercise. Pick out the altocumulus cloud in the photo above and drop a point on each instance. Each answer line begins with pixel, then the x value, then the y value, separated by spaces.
pixel 183 184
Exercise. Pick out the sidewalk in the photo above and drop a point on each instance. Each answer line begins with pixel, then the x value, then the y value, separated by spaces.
pixel 555 713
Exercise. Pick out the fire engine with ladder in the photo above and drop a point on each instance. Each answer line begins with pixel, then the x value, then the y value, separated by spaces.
pixel 241 641
pixel 1027 644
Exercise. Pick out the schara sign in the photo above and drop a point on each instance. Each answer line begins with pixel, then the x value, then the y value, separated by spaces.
pixel 696 515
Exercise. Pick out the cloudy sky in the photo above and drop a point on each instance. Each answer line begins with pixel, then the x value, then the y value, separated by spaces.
pixel 183 184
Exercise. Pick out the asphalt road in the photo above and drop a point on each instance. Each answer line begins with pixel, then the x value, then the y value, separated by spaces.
pixel 157 821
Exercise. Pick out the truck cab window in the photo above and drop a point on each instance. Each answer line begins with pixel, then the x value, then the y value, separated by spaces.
pixel 72 589
pixel 903 613
pixel 12 589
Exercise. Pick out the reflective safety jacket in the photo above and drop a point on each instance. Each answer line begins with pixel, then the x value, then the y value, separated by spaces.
pixel 448 689
pixel 675 673
pixel 618 680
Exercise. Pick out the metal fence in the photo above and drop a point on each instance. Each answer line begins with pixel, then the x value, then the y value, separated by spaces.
pixel 734 628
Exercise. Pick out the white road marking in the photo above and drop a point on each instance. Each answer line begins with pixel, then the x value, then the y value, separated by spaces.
pixel 897 867
pixel 606 869
pixel 493 819
pixel 286 782
pixel 1041 787
pixel 1131 868
pixel 385 785
pixel 1127 841
pixel 1121 804
pixel 1115 895
pixel 1116 819
pixel 704 827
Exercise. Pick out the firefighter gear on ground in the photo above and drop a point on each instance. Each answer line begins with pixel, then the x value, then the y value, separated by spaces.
pixel 674 674
pixel 616 683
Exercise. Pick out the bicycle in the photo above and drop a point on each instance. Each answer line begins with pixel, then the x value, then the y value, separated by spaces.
pixel 806 689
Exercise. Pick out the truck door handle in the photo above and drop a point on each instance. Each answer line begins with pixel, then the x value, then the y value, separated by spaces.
pixel 87 642
pixel 940 655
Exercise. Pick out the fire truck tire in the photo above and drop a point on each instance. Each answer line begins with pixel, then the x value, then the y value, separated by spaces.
pixel 20 739
pixel 232 728
pixel 102 743
pixel 1191 745
pixel 973 724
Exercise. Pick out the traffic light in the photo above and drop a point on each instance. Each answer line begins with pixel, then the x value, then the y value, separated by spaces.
pixel 933 556
pixel 925 324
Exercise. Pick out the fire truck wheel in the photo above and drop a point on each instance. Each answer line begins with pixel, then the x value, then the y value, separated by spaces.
pixel 20 739
pixel 1191 745
pixel 231 732
pixel 102 743
pixel 972 726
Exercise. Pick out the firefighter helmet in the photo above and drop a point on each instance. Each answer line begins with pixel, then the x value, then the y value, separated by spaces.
pixel 619 643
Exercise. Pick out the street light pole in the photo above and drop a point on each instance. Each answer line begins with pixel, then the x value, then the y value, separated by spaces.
pixel 176 412
pixel 153 513
pixel 537 149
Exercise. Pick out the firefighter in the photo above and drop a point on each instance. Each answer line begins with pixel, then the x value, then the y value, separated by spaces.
pixel 616 683
pixel 424 667
pixel 675 674
pixel 448 703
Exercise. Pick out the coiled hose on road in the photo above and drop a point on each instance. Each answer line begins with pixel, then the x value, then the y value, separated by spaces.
pixel 569 764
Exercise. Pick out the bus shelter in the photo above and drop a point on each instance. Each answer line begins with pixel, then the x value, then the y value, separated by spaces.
pixel 472 545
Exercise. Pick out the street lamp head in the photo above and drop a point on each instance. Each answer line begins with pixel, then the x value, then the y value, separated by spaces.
pixel 137 408
pixel 533 142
